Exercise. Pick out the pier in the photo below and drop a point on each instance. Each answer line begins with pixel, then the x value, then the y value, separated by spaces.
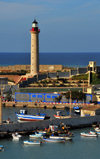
pixel 72 123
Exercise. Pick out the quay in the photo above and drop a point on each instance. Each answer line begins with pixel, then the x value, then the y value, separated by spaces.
pixel 46 105
pixel 29 127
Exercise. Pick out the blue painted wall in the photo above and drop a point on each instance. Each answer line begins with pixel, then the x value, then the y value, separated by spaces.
pixel 44 97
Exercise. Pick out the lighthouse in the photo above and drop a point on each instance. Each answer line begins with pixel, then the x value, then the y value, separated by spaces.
pixel 34 48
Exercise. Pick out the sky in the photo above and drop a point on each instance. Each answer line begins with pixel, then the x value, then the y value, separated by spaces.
pixel 65 25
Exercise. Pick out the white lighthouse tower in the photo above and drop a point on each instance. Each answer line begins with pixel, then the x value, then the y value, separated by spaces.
pixel 34 48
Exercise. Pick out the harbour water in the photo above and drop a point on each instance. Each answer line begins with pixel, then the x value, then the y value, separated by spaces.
pixel 79 147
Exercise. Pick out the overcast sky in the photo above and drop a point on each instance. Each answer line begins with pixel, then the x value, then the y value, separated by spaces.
pixel 65 25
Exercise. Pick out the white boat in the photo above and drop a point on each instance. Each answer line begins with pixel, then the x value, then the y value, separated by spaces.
pixel 90 134
pixel 53 140
pixel 32 142
pixel 36 135
pixel 23 116
pixel 16 136
pixel 61 137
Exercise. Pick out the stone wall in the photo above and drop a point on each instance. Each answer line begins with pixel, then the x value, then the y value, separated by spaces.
pixel 42 68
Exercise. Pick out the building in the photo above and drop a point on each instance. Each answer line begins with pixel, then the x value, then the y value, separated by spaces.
pixel 90 111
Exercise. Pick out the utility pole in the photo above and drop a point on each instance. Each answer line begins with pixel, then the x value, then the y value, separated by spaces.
pixel 70 101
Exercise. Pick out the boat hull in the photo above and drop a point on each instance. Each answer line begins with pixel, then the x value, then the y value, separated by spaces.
pixel 60 137
pixel 29 118
pixel 54 140
pixel 88 134
pixel 32 142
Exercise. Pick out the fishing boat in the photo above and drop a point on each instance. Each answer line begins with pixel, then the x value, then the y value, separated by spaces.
pixel 54 140
pixel 60 116
pixel 16 136
pixel 36 135
pixel 32 142
pixel 23 116
pixel 90 134
pixel 1 147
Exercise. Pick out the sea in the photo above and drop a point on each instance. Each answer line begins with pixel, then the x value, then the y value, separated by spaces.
pixel 79 147
pixel 66 59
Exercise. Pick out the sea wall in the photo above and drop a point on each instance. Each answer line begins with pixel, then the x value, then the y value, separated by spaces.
pixel 78 122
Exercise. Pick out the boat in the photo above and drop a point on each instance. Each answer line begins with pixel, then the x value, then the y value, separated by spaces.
pixel 36 135
pixel 1 147
pixel 60 116
pixel 16 136
pixel 76 109
pixel 61 137
pixel 23 116
pixel 32 142
pixel 90 134
pixel 53 140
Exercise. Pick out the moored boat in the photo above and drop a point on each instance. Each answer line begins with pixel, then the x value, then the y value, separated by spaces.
pixel 61 137
pixel 76 109
pixel 23 116
pixel 32 142
pixel 60 116
pixel 90 134
pixel 54 140
pixel 36 135
pixel 16 136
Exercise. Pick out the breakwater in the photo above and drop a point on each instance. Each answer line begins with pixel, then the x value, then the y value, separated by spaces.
pixel 73 123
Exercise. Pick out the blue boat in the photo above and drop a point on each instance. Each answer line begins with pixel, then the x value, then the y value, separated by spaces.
pixel 76 109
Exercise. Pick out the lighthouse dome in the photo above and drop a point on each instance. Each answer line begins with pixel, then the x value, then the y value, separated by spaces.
pixel 34 24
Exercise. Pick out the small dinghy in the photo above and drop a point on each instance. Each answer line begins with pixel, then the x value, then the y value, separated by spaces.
pixel 90 134
pixel 32 142
pixel 16 136
pixel 1 148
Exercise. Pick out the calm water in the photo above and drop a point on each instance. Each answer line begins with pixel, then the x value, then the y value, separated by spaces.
pixel 68 59
pixel 78 148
